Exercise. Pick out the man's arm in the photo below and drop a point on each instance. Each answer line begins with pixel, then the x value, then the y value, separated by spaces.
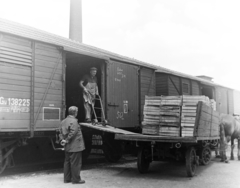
pixel 73 129
pixel 82 86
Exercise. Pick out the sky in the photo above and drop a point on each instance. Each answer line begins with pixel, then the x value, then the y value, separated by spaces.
pixel 195 37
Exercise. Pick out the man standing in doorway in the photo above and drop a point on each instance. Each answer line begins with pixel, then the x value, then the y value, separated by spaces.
pixel 72 139
pixel 90 89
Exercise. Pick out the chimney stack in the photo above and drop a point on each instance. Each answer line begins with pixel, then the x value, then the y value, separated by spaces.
pixel 75 24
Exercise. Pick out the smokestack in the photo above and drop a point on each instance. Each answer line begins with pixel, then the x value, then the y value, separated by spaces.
pixel 75 24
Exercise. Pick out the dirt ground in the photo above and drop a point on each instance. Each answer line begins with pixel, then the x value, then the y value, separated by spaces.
pixel 125 174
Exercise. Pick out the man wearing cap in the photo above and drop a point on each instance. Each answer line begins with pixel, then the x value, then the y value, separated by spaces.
pixel 90 89
pixel 72 139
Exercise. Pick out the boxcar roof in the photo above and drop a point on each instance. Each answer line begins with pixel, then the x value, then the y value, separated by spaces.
pixel 68 44
pixel 21 30
pixel 203 81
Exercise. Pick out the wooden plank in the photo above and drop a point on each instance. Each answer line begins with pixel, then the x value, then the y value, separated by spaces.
pixel 147 138
pixel 205 116
pixel 14 116
pixel 15 53
pixel 17 40
pixel 155 102
pixel 48 70
pixel 175 124
pixel 156 113
pixel 47 47
pixel 16 94
pixel 39 96
pixel 47 53
pixel 107 129
pixel 16 47
pixel 48 64
pixel 198 115
pixel 46 81
pixel 189 107
pixel 15 77
pixel 14 125
pixel 189 111
pixel 145 123
pixel 185 114
pixel 55 91
pixel 14 82
pixel 188 124
pixel 5 57
pixel 15 71
pixel 204 132
pixel 170 114
pixel 49 59
pixel 47 75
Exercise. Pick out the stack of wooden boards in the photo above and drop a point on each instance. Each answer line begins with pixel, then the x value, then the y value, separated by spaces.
pixel 189 113
pixel 179 116
pixel 162 115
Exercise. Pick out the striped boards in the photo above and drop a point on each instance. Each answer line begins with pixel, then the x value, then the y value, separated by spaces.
pixel 179 116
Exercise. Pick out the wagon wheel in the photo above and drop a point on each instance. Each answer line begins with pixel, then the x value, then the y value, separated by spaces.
pixel 191 161
pixel 144 160
pixel 205 155
pixel 112 149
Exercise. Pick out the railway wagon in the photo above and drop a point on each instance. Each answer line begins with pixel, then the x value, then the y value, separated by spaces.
pixel 172 83
pixel 39 80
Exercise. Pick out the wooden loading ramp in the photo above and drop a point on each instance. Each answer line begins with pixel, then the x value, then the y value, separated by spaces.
pixel 107 128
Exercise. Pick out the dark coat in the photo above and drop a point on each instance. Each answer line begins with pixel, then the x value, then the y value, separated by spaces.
pixel 70 131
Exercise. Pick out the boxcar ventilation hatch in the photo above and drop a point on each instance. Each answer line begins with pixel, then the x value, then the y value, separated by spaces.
pixel 51 114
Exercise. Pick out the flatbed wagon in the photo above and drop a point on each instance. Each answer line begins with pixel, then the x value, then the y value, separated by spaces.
pixel 194 146
pixel 194 150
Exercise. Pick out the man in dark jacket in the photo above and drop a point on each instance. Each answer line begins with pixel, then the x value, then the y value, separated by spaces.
pixel 72 140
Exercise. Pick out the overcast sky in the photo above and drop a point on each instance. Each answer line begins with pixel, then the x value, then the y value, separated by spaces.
pixel 193 37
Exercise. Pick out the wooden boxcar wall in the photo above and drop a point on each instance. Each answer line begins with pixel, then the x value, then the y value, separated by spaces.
pixel 236 99
pixel 161 84
pixel 48 86
pixel 171 85
pixel 147 86
pixel 15 83
pixel 222 100
pixel 26 68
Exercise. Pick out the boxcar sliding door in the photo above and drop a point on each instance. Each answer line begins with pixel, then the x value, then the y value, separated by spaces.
pixel 122 95
pixel 48 87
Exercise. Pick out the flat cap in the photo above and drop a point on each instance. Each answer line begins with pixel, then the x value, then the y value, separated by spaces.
pixel 93 68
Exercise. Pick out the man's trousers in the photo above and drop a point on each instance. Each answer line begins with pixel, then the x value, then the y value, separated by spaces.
pixel 72 166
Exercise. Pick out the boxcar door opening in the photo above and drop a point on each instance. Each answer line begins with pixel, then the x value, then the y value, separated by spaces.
pixel 77 66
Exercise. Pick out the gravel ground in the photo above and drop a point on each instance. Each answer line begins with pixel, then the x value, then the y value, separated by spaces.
pixel 125 174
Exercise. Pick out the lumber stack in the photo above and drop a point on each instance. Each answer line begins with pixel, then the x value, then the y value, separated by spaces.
pixel 170 113
pixel 189 113
pixel 184 116
pixel 151 112
pixel 162 115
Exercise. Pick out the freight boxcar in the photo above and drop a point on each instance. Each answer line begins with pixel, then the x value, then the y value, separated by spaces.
pixel 39 79
pixel 170 83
